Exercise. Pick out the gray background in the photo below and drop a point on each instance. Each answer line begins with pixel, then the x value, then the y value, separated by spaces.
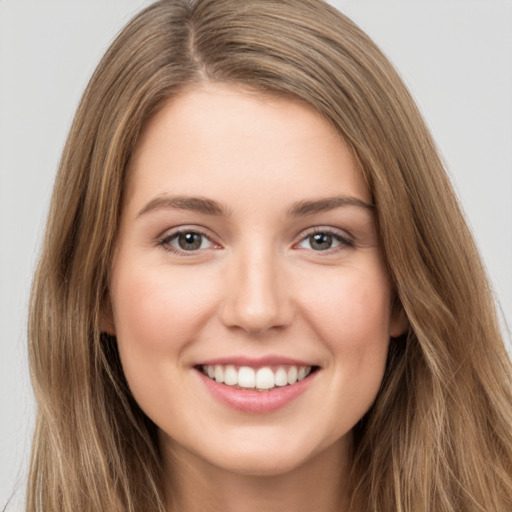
pixel 455 55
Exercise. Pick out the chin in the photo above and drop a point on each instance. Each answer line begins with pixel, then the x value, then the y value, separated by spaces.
pixel 261 464
pixel 265 455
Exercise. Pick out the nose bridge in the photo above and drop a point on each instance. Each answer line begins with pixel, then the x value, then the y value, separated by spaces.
pixel 256 298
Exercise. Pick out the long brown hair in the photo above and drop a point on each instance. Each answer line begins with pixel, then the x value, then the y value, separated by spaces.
pixel 439 434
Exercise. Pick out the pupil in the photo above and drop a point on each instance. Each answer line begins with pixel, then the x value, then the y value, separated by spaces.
pixel 321 241
pixel 190 241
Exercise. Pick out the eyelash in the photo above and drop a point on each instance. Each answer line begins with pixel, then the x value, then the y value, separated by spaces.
pixel 344 242
pixel 165 241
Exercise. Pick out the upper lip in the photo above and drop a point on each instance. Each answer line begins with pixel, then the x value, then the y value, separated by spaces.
pixel 258 362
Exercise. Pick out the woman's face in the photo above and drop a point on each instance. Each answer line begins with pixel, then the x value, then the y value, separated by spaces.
pixel 248 253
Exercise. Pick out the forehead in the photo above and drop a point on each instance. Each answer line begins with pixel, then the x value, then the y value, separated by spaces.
pixel 219 137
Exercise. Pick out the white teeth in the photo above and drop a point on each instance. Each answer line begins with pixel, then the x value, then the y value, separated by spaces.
pixel 246 377
pixel 281 377
pixel 292 375
pixel 230 375
pixel 219 373
pixel 262 379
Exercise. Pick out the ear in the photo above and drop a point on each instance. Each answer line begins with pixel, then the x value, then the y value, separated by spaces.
pixel 107 323
pixel 398 323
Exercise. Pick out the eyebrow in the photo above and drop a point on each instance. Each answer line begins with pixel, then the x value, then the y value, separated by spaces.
pixel 197 204
pixel 303 208
pixel 210 207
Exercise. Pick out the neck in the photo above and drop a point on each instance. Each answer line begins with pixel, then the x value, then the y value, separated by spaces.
pixel 319 484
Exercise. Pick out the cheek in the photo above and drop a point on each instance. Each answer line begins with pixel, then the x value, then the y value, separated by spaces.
pixel 352 311
pixel 351 317
pixel 157 312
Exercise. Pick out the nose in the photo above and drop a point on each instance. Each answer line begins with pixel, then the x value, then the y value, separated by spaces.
pixel 257 298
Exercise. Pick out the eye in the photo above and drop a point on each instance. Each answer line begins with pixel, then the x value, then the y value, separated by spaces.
pixel 186 241
pixel 324 240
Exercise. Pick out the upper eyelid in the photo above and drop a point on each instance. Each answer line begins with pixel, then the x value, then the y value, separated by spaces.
pixel 342 233
pixel 171 232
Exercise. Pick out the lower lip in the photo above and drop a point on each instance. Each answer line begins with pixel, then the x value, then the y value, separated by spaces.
pixel 256 401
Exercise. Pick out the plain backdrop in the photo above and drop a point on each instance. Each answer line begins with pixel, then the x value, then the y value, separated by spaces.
pixel 455 55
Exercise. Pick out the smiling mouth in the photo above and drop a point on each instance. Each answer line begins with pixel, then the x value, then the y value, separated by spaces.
pixel 265 378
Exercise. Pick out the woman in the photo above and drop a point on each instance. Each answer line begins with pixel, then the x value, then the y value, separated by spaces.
pixel 257 290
